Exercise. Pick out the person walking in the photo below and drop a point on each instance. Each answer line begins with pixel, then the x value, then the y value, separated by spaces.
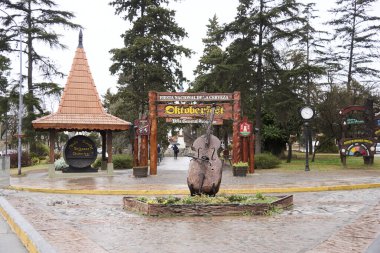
pixel 175 150
pixel 158 153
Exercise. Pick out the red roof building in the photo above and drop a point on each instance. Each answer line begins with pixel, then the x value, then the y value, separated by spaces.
pixel 80 108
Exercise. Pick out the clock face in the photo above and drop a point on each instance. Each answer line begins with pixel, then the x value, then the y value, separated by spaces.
pixel 307 112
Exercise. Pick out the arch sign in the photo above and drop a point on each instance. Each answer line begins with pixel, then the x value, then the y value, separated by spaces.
pixel 358 132
pixel 190 108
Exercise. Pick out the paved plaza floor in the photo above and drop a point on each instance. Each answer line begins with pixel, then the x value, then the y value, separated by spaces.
pixel 324 217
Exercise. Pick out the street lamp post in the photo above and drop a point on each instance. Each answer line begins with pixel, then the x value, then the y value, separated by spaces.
pixel 20 104
pixel 307 168
pixel 307 113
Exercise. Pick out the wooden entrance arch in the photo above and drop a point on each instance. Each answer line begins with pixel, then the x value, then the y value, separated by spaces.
pixel 189 107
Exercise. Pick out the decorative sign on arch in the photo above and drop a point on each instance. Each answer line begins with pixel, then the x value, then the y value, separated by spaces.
pixel 190 108
pixel 196 112
pixel 358 132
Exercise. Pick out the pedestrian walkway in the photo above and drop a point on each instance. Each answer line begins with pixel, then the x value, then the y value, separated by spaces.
pixel 171 179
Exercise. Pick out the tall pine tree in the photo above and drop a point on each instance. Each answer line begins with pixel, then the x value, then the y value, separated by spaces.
pixel 266 23
pixel 37 19
pixel 356 32
pixel 150 58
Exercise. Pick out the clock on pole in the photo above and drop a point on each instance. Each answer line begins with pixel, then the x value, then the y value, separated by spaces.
pixel 307 112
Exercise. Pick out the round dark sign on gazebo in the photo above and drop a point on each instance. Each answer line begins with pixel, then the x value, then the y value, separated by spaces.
pixel 80 152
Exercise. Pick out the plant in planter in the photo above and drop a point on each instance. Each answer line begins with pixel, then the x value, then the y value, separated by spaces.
pixel 140 171
pixel 240 169
pixel 207 205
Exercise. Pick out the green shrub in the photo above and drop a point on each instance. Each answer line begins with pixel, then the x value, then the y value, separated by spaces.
pixel 97 163
pixel 57 156
pixel 42 150
pixel 60 164
pixel 328 146
pixel 120 162
pixel 34 160
pixel 205 199
pixel 266 161
pixel 240 164
pixel 25 160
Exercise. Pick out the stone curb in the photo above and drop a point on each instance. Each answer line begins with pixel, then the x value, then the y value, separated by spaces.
pixel 184 192
pixel 31 239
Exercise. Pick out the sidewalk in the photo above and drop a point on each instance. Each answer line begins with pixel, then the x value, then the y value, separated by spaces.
pixel 8 239
pixel 171 179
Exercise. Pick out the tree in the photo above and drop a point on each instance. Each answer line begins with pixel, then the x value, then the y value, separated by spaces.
pixel 37 19
pixel 287 91
pixel 265 23
pixel 357 32
pixel 149 59
pixel 5 85
pixel 209 72
pixel 4 93
pixel 312 45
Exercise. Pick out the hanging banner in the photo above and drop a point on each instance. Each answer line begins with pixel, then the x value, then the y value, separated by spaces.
pixel 192 97
pixel 193 121
pixel 222 111
pixel 245 129
pixel 143 126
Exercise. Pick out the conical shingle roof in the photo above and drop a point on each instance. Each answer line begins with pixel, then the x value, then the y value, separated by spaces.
pixel 80 107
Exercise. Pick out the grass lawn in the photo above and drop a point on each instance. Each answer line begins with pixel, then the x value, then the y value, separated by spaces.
pixel 327 162
pixel 24 170
pixel 322 162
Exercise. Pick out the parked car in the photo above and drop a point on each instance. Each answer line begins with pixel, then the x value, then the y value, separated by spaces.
pixel 377 148
pixel 9 151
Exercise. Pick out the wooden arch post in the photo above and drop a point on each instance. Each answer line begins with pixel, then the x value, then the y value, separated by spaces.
pixel 153 132
pixel 235 127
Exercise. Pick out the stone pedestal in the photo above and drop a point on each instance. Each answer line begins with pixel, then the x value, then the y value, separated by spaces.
pixel 4 171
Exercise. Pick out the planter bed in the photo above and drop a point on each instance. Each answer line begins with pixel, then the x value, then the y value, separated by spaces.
pixel 223 209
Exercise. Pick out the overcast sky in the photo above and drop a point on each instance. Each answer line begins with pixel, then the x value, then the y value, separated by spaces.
pixel 102 30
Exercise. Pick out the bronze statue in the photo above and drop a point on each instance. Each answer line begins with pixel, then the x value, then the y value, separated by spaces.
pixel 205 170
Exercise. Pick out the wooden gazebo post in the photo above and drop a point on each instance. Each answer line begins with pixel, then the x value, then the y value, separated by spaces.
pixel 104 150
pixel 109 151
pixel 51 153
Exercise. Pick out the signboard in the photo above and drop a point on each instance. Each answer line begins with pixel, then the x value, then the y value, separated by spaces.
pixel 348 142
pixel 222 111
pixel 193 121
pixel 192 97
pixel 357 150
pixel 80 151
pixel 245 129
pixel 143 126
pixel 354 122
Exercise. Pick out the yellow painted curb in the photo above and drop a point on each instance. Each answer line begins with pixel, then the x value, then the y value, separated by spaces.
pixel 24 238
pixel 185 192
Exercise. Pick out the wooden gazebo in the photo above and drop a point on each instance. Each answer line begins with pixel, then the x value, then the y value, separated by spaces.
pixel 80 109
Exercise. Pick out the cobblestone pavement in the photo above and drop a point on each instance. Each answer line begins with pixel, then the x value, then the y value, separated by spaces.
pixel 323 222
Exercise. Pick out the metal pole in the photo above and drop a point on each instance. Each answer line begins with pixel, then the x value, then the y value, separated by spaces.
pixel 20 105
pixel 307 168
pixel 20 108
